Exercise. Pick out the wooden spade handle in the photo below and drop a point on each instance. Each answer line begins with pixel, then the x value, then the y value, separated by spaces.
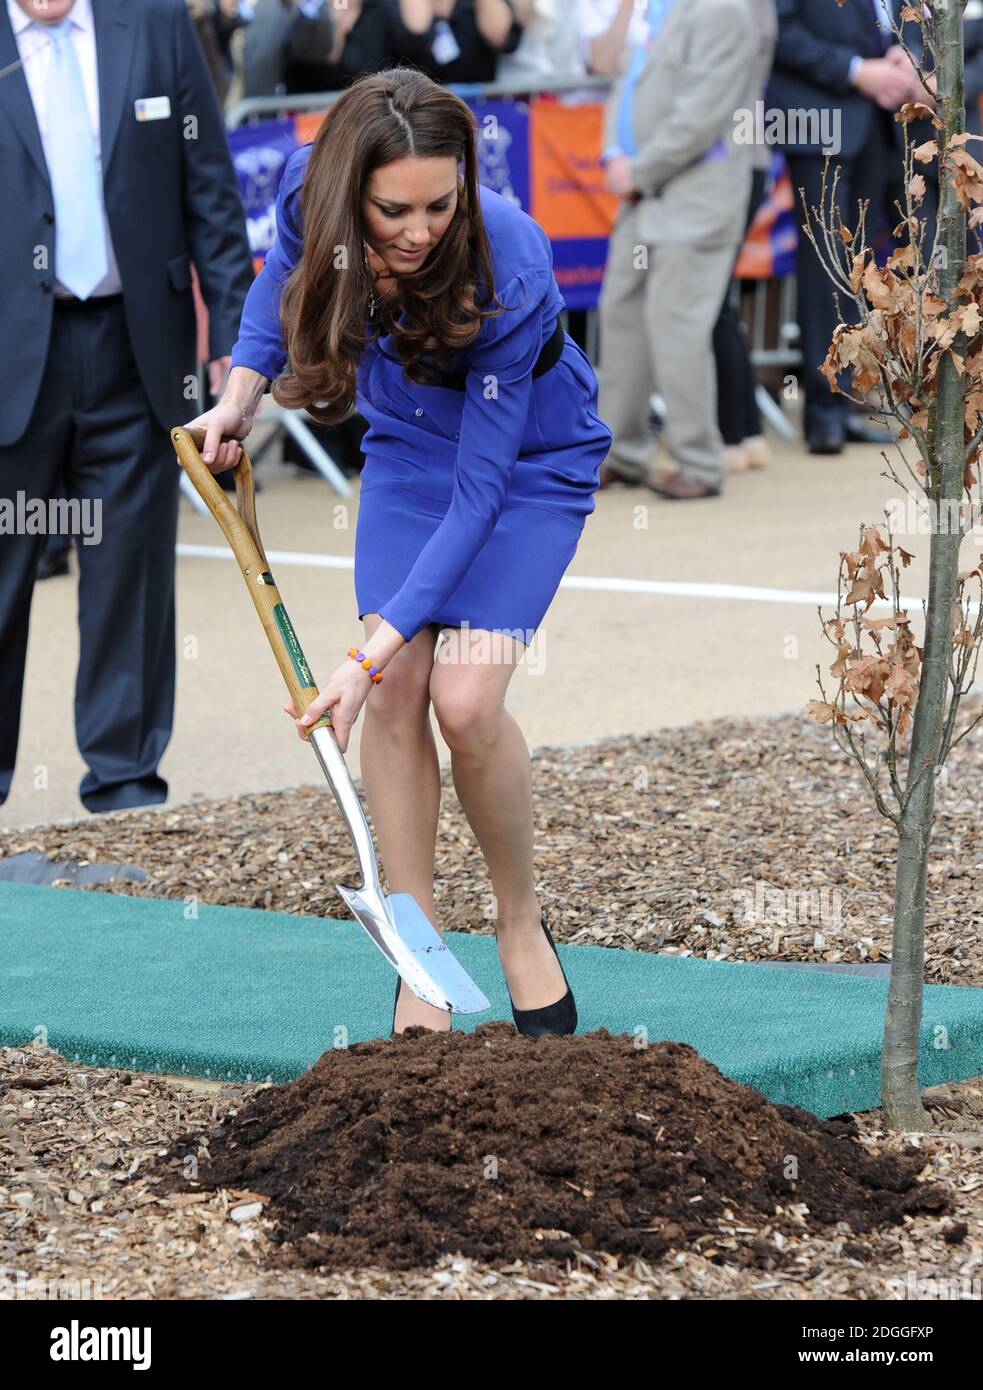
pixel 242 533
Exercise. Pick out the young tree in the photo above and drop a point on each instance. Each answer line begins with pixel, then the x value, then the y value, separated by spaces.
pixel 918 347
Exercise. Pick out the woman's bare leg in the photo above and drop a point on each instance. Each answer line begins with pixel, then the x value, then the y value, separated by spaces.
pixel 401 776
pixel 492 777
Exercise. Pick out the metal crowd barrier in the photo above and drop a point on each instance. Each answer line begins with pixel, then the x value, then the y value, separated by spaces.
pixel 249 108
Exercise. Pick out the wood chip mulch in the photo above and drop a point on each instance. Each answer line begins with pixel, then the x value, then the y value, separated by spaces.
pixel 740 839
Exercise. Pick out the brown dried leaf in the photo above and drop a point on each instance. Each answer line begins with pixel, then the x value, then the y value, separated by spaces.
pixel 916 111
pixel 879 286
pixel 969 320
pixel 857 269
pixel 843 651
pixel 871 542
pixel 904 255
pixel 863 589
pixel 868 676
pixel 901 688
pixel 967 177
pixel 821 711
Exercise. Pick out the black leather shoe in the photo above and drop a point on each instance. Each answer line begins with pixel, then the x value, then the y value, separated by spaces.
pixel 826 437
pixel 861 431
pixel 553 1019
pixel 52 563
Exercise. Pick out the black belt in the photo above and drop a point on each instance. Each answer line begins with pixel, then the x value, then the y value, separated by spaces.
pixel 69 301
pixel 549 355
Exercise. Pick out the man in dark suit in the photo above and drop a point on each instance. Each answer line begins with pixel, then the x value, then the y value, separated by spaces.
pixel 115 175
pixel 838 61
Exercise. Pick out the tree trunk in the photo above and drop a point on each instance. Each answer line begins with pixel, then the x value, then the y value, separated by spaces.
pixel 900 1096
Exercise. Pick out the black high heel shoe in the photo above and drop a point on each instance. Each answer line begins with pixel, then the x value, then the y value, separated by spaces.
pixel 392 1031
pixel 553 1019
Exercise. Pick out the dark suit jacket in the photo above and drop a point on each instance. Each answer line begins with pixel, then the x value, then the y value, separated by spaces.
pixel 816 40
pixel 171 198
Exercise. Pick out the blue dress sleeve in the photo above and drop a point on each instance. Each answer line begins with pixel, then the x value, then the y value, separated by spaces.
pixel 260 342
pixel 499 384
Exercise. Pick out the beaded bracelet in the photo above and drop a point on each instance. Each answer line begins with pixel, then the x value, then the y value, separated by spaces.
pixel 366 663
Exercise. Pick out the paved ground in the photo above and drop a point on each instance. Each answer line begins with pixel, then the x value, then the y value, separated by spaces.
pixel 634 640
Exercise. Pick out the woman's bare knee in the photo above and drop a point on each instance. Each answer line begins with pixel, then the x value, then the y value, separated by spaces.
pixel 468 709
pixel 468 692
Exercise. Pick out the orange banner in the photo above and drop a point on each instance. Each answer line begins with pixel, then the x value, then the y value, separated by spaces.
pixel 567 181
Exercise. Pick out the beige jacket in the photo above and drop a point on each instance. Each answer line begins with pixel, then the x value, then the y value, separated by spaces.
pixel 766 20
pixel 704 66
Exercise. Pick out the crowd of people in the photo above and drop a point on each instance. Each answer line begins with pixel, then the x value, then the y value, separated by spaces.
pixel 100 323
pixel 270 47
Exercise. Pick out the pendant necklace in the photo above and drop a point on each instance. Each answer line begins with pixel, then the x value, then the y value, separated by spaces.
pixel 373 302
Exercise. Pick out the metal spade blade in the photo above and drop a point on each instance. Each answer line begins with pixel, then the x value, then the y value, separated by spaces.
pixel 396 923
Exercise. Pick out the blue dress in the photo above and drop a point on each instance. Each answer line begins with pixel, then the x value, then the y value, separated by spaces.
pixel 472 502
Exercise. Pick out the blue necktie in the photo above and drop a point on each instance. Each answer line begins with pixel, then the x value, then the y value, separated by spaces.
pixel 626 135
pixel 80 241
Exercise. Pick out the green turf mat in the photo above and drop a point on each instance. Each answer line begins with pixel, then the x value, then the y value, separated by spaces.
pixel 243 994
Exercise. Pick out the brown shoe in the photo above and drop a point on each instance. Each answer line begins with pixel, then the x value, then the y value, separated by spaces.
pixel 676 486
pixel 609 475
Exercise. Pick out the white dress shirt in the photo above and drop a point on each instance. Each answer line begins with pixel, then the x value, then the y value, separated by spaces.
pixel 34 50
pixel 550 47
pixel 595 17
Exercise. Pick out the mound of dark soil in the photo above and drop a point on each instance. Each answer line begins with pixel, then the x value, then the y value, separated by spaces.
pixel 500 1147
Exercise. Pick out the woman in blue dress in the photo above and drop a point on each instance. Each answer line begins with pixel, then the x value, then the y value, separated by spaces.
pixel 400 285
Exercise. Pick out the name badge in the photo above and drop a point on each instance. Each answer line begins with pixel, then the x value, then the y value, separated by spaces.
pixel 444 46
pixel 152 108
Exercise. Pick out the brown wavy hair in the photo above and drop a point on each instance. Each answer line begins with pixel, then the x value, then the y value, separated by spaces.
pixel 324 309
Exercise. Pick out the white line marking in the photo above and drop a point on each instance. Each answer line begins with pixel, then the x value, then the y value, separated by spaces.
pixel 275 557
pixel 667 588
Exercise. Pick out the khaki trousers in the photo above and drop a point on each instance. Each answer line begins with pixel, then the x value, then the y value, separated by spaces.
pixel 659 303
